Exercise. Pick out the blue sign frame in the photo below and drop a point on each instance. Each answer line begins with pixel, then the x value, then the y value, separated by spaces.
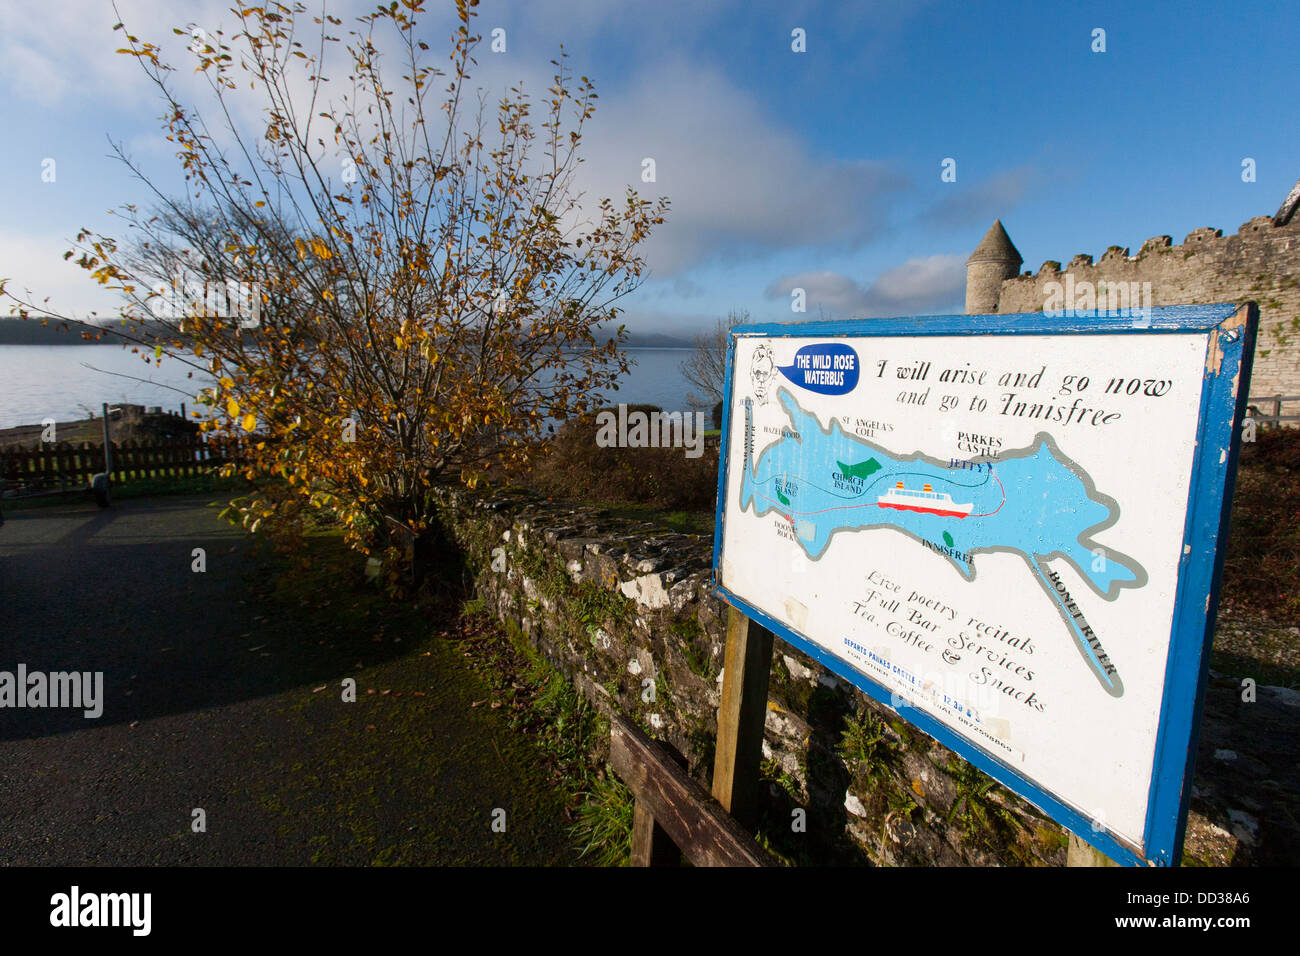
pixel 1225 387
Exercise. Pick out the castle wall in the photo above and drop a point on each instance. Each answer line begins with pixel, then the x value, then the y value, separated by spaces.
pixel 1260 262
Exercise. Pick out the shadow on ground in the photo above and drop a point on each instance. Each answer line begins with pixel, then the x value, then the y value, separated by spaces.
pixel 225 737
pixel 116 591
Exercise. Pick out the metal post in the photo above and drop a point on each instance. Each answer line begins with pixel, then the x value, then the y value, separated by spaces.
pixel 102 483
pixel 108 446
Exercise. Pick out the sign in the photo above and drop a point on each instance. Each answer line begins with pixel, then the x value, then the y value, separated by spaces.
pixel 1006 527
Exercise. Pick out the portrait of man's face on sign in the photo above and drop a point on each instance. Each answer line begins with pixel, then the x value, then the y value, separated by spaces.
pixel 762 369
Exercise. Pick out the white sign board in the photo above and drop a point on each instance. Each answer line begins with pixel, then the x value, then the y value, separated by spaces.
pixel 992 530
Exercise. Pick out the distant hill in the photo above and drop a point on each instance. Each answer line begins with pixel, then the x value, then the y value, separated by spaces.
pixel 656 340
pixel 15 331
pixel 32 332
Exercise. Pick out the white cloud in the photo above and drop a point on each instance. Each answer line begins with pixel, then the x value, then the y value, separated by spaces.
pixel 918 286
pixel 931 280
pixel 36 262
pixel 65 54
pixel 64 51
pixel 741 183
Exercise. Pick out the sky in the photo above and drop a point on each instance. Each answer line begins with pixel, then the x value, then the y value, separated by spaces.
pixel 818 169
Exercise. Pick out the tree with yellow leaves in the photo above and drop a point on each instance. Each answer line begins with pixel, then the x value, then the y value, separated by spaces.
pixel 430 289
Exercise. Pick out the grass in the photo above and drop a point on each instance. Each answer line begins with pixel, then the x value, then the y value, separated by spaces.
pixel 545 706
pixel 604 826
pixel 363 790
pixel 158 483
pixel 684 522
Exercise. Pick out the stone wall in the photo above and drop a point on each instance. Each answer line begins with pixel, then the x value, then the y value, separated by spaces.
pixel 625 609
pixel 1260 261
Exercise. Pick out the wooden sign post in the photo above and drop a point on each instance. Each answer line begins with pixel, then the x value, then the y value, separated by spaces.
pixel 746 667
pixel 1007 528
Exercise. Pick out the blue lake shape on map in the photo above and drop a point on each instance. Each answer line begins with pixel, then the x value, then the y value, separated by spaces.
pixel 1033 502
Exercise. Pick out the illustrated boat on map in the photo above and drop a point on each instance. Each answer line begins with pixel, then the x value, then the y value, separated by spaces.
pixel 927 501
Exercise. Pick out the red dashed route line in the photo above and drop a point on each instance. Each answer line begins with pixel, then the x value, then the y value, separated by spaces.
pixel 1000 504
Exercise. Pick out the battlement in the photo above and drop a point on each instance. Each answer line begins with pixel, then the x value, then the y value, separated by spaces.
pixel 1259 262
pixel 1204 241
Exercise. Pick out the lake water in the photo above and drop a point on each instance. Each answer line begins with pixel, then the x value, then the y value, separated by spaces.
pixel 64 382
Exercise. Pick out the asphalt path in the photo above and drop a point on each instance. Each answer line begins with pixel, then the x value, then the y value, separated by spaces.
pixel 222 695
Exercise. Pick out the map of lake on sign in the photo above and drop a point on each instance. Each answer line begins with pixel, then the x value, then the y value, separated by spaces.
pixel 824 482
pixel 989 528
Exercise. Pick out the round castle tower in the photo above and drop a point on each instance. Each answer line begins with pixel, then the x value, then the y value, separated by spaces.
pixel 993 260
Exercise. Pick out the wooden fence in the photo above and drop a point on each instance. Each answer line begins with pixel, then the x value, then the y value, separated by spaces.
pixel 64 465
pixel 1267 409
